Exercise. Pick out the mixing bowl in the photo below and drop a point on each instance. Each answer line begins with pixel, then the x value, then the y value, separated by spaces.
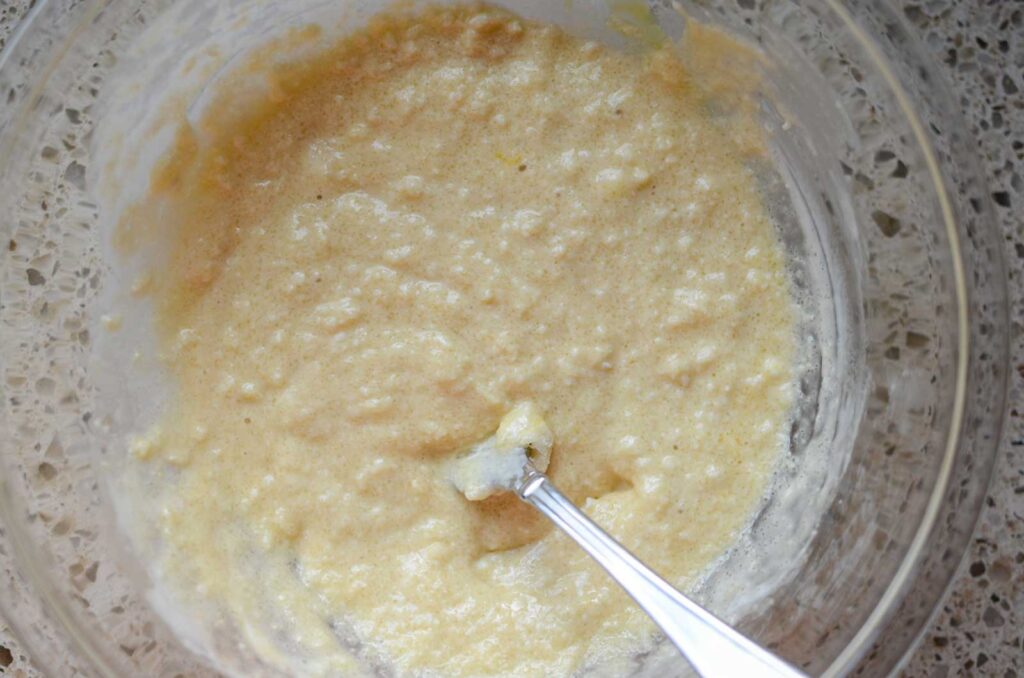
pixel 878 196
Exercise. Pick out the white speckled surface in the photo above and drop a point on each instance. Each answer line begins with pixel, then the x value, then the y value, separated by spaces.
pixel 980 629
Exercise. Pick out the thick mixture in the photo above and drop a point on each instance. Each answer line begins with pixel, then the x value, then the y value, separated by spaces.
pixel 439 218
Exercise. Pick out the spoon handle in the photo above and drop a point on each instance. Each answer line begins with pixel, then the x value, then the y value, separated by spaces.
pixel 711 646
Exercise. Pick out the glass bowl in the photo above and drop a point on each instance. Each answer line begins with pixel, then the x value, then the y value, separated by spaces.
pixel 880 201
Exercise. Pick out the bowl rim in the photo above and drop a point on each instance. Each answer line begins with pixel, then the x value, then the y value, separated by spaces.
pixel 895 592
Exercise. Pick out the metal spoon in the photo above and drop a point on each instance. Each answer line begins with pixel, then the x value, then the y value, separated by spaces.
pixel 508 462
pixel 711 646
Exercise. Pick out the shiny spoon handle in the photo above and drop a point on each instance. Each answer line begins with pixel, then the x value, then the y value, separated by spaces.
pixel 711 646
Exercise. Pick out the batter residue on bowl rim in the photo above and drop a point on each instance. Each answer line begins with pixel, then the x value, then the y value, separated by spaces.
pixel 439 217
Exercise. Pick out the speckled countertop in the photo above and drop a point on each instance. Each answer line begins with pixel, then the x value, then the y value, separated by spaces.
pixel 980 629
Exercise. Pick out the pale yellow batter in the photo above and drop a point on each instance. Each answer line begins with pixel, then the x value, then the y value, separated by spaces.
pixel 441 217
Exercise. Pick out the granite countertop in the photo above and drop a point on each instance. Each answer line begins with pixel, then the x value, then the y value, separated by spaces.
pixel 980 628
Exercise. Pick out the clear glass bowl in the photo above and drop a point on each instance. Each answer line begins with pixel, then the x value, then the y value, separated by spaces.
pixel 880 198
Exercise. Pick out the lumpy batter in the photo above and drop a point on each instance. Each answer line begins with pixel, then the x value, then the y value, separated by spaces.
pixel 406 235
pixel 500 463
